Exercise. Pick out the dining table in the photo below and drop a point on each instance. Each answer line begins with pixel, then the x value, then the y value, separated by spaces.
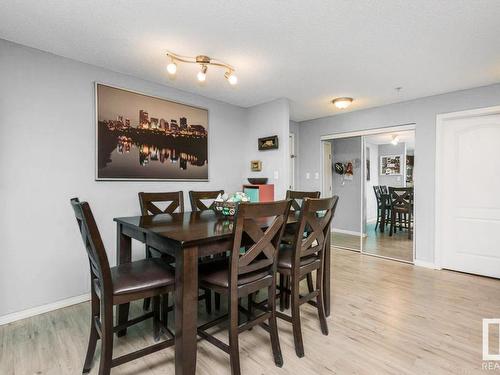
pixel 187 236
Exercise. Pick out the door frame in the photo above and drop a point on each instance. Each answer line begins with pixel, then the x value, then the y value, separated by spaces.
pixel 293 157
pixel 441 120
pixel 323 169
pixel 403 127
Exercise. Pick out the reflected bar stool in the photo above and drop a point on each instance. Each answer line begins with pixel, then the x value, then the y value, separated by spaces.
pixel 297 198
pixel 304 256
pixel 110 286
pixel 248 271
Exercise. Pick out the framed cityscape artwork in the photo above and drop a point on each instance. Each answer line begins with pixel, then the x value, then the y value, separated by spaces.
pixel 141 137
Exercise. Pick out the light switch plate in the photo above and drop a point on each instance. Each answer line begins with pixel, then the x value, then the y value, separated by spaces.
pixel 308 176
pixel 316 176
pixel 276 175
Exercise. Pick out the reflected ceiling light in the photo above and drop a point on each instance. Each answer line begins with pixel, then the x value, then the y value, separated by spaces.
pixel 342 103
pixel 395 140
pixel 204 62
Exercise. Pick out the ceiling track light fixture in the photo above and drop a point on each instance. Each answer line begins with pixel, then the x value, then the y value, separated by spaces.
pixel 342 103
pixel 204 62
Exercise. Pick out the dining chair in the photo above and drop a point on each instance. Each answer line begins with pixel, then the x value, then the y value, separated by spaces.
pixel 401 209
pixel 197 199
pixel 173 202
pixel 297 198
pixel 251 267
pixel 111 286
pixel 304 256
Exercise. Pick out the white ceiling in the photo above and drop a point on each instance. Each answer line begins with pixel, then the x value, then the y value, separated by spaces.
pixel 307 51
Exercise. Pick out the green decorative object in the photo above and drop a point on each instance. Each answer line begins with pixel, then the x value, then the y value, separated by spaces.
pixel 228 206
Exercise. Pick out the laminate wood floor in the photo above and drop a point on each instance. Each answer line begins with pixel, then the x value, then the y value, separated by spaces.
pixel 387 318
pixel 397 246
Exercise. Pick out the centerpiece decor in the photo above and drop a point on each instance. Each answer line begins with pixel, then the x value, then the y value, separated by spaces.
pixel 227 205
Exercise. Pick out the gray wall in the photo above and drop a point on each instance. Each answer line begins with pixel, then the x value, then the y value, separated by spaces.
pixel 262 121
pixel 347 215
pixel 423 113
pixel 47 147
pixel 294 128
pixel 390 149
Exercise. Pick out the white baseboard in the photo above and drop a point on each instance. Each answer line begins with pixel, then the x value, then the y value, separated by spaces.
pixel 353 233
pixel 423 263
pixel 43 309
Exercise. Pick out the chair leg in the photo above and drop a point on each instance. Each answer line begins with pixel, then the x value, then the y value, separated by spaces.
pixel 282 292
pixel 393 221
pixel 310 284
pixel 297 330
pixel 208 300
pixel 287 293
pixel 94 336
pixel 147 301
pixel 156 318
pixel 106 339
pixel 164 310
pixel 217 301
pixel 378 219
pixel 234 351
pixel 320 304
pixel 273 327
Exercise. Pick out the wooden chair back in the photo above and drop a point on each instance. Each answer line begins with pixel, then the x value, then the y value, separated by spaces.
pixel 260 246
pixel 96 252
pixel 298 197
pixel 401 197
pixel 197 197
pixel 314 228
pixel 174 200
pixel 384 189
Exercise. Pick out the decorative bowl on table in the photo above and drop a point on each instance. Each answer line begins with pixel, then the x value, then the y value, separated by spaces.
pixel 258 180
pixel 228 205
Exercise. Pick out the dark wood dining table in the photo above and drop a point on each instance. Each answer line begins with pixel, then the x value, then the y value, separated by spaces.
pixel 187 236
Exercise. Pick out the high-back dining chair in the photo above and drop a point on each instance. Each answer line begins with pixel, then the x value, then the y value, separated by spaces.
pixel 297 198
pixel 149 202
pixel 112 286
pixel 247 272
pixel 196 199
pixel 150 205
pixel 305 255
pixel 174 202
pixel 401 208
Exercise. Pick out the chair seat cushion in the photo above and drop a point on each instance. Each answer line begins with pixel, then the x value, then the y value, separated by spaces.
pixel 285 256
pixel 217 273
pixel 141 275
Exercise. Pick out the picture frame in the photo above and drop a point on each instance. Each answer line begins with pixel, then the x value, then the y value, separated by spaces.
pixel 390 165
pixel 256 165
pixel 140 137
pixel 268 143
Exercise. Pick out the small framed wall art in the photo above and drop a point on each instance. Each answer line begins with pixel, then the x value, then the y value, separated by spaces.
pixel 268 143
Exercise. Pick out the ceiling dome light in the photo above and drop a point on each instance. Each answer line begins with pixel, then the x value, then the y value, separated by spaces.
pixel 172 68
pixel 342 103
pixel 202 74
pixel 395 139
pixel 231 78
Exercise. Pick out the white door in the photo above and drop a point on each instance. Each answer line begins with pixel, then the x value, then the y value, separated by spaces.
pixel 327 170
pixel 291 139
pixel 468 196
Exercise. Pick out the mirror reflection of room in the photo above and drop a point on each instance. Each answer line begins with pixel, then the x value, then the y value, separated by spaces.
pixel 347 184
pixel 389 165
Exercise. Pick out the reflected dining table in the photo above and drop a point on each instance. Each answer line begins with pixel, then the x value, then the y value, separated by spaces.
pixel 187 236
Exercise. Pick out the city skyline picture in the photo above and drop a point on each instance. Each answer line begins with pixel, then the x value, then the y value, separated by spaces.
pixel 141 137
